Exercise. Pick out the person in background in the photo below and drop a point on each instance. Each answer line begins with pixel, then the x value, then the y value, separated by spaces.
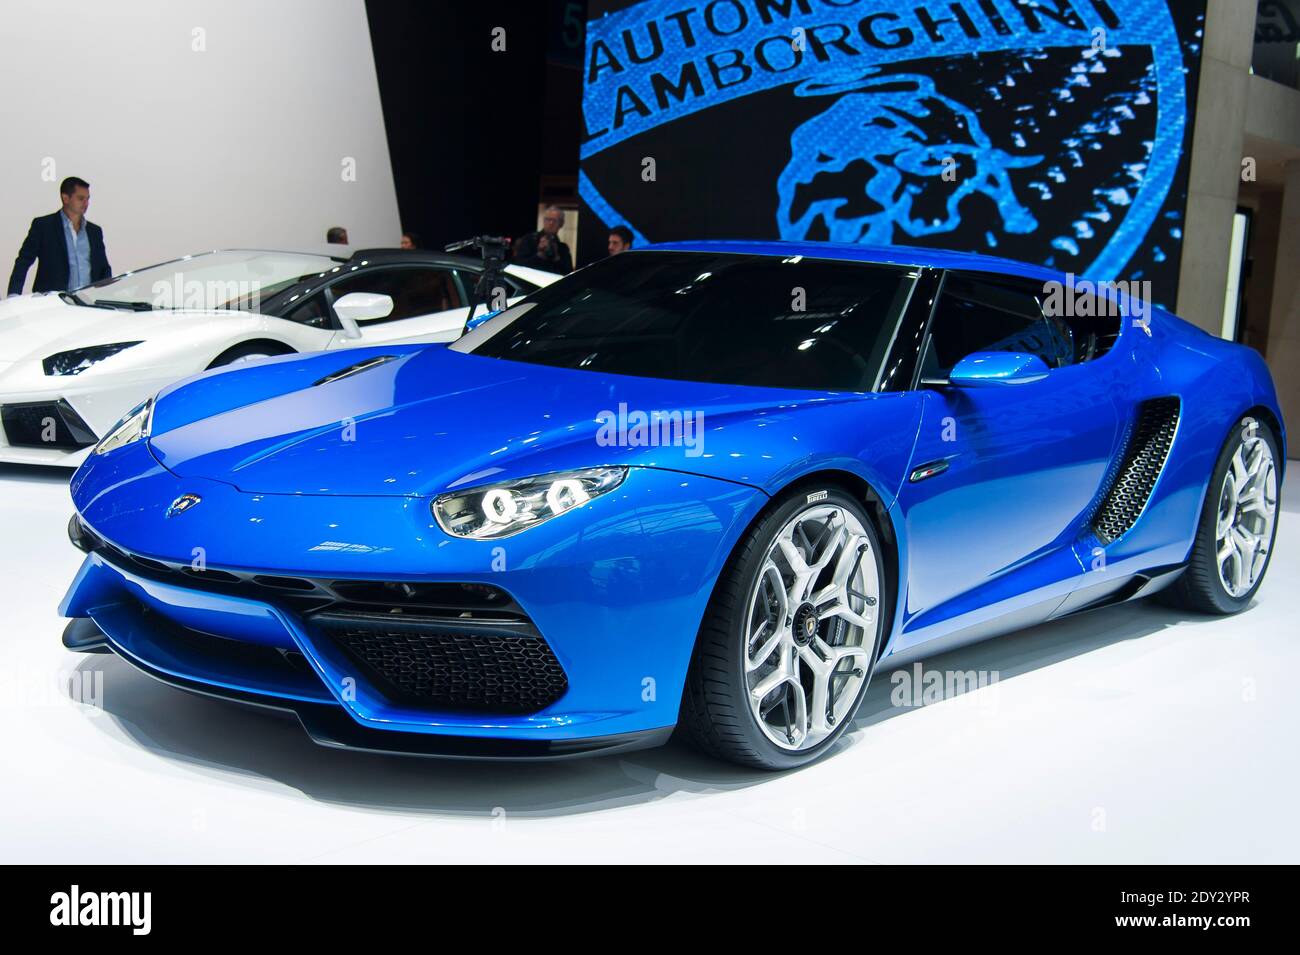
pixel 337 235
pixel 620 239
pixel 543 249
pixel 410 241
pixel 70 248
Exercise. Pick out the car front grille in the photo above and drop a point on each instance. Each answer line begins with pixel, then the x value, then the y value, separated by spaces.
pixel 477 602
pixel 435 663
pixel 46 424
pixel 1146 451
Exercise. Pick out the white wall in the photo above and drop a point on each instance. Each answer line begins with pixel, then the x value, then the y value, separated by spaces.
pixel 241 144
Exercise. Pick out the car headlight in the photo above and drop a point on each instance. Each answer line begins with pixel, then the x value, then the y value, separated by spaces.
pixel 77 360
pixel 129 430
pixel 499 510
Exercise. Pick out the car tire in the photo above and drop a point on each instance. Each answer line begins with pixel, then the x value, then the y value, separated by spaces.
pixel 721 714
pixel 1214 583
pixel 246 352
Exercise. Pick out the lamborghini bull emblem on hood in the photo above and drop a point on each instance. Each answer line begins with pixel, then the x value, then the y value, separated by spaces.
pixel 182 504
pixel 891 155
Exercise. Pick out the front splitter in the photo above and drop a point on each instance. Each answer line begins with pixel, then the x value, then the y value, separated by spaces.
pixel 328 725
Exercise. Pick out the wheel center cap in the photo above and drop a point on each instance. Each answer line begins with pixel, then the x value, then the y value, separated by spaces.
pixel 805 624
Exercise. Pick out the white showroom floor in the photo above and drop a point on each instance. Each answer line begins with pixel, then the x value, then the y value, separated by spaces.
pixel 1132 734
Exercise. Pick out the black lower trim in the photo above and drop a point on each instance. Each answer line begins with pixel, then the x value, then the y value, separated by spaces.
pixel 46 424
pixel 1119 591
pixel 1094 597
pixel 329 725
pixel 303 595
pixel 81 635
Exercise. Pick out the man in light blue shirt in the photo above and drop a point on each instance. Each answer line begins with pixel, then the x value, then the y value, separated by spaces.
pixel 68 246
pixel 78 243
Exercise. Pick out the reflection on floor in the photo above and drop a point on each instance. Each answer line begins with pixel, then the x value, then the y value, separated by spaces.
pixel 1130 734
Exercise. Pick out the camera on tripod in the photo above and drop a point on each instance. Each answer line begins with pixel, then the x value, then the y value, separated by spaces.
pixel 491 247
pixel 491 289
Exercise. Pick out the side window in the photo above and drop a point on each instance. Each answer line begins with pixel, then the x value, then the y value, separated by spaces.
pixel 515 287
pixel 977 314
pixel 310 311
pixel 414 291
pixel 1089 324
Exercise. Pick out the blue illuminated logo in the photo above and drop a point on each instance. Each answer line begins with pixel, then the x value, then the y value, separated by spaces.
pixel 883 125
pixel 888 132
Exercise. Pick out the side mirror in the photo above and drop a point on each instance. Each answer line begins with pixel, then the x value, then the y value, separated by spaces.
pixel 989 369
pixel 361 307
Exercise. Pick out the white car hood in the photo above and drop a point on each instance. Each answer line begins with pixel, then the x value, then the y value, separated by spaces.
pixel 37 326
pixel 538 277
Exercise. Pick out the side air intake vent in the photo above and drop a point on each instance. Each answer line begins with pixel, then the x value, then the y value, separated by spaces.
pixel 1144 458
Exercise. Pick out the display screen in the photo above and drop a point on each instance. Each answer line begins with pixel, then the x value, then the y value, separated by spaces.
pixel 1054 132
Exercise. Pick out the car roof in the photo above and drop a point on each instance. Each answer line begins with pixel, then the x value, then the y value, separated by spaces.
pixel 390 256
pixel 376 256
pixel 326 253
pixel 852 252
pixel 369 259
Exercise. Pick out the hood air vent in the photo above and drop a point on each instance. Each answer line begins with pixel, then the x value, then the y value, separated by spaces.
pixel 356 369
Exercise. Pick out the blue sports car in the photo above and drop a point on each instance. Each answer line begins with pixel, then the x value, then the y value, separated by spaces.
pixel 708 487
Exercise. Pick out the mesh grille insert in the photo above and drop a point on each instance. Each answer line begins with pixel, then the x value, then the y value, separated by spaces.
pixel 440 664
pixel 1144 458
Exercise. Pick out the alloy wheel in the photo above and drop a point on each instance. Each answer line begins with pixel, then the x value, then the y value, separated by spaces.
pixel 811 626
pixel 1247 510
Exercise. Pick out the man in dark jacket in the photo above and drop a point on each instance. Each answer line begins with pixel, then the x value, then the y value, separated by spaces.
pixel 70 249
pixel 544 250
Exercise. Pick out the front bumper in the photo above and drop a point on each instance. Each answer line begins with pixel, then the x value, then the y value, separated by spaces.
pixel 616 590
pixel 58 420
pixel 329 725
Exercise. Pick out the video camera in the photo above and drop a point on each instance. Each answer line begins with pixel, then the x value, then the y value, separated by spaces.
pixel 493 249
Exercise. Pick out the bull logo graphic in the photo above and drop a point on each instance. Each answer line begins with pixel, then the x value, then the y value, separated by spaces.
pixel 871 166
pixel 893 76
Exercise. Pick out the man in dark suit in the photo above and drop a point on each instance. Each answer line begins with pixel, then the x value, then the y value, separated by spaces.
pixel 70 249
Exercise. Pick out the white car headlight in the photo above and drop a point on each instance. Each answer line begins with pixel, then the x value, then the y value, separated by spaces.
pixel 131 428
pixel 499 510
pixel 77 360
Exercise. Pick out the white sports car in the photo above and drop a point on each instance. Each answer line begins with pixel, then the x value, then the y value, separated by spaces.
pixel 73 363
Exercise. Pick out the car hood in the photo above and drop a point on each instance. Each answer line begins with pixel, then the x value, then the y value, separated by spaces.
pixel 431 419
pixel 37 326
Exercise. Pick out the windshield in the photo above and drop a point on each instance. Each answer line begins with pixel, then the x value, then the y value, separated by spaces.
pixel 723 318
pixel 212 280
